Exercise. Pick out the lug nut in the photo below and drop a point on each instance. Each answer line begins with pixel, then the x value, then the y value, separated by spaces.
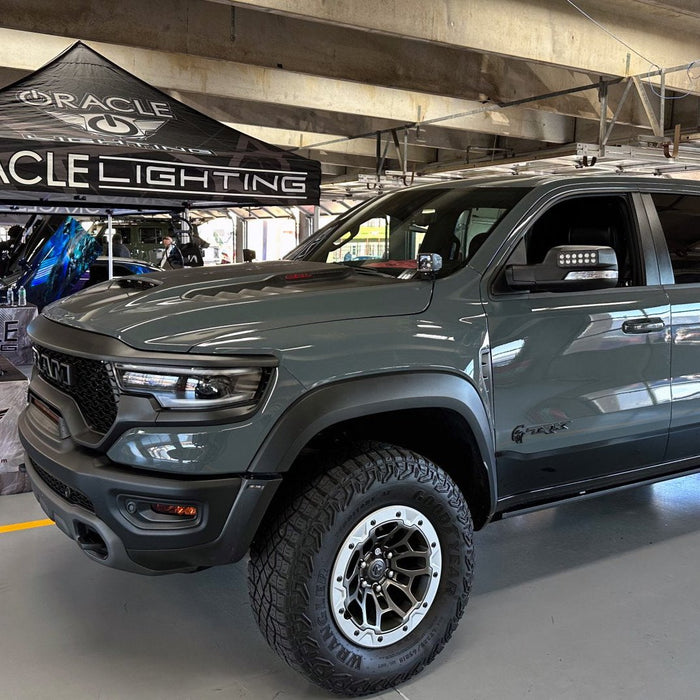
pixel 378 551
pixel 363 564
pixel 390 574
pixel 389 555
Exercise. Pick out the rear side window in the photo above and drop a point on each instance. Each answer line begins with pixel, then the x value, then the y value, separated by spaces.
pixel 679 215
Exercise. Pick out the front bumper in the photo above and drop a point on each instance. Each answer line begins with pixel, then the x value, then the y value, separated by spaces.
pixel 89 498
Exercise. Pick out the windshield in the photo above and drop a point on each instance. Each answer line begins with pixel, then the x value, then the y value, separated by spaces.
pixel 387 233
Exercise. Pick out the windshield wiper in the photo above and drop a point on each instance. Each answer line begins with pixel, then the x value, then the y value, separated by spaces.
pixel 369 271
pixel 306 249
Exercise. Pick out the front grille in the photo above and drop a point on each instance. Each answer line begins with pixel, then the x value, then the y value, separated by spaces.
pixel 91 385
pixel 73 496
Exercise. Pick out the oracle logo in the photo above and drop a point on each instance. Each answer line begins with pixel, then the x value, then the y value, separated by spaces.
pixel 115 116
pixel 92 103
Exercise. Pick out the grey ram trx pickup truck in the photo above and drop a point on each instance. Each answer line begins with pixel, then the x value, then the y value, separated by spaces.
pixel 435 359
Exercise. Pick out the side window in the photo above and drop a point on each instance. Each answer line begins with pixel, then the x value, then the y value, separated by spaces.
pixel 149 235
pixel 679 215
pixel 121 270
pixel 590 220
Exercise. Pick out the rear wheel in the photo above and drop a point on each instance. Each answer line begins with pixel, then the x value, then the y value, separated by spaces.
pixel 363 576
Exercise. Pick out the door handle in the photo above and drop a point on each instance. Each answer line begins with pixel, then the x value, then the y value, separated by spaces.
pixel 643 325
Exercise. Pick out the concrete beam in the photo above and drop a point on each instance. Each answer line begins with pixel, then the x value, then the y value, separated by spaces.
pixel 330 125
pixel 178 26
pixel 278 116
pixel 215 30
pixel 349 161
pixel 297 140
pixel 212 30
pixel 549 31
pixel 22 50
pixel 687 7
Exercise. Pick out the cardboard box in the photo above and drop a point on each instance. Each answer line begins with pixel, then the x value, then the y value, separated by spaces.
pixel 13 398
pixel 14 341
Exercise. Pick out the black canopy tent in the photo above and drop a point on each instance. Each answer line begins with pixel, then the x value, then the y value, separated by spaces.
pixel 83 132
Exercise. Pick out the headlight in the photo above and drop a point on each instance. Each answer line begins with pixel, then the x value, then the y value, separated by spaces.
pixel 194 387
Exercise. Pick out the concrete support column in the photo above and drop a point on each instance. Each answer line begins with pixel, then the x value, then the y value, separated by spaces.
pixel 263 254
pixel 305 227
pixel 241 238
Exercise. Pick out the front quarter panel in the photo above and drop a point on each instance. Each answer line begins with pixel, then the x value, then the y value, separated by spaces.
pixel 335 403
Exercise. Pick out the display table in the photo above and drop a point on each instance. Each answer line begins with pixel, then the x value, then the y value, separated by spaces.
pixel 13 398
pixel 14 341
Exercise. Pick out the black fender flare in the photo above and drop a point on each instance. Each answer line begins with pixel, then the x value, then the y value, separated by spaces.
pixel 340 401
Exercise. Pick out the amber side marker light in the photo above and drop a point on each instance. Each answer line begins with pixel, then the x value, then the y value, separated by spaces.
pixel 172 509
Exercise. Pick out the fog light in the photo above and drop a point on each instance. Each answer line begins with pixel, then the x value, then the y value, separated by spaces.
pixel 173 509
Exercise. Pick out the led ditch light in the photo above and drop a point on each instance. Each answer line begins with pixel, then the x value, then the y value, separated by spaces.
pixel 567 259
pixel 186 387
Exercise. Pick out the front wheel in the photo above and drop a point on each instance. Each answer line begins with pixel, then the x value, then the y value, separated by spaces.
pixel 363 576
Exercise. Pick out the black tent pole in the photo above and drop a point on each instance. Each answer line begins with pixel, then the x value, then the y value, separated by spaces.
pixel 110 255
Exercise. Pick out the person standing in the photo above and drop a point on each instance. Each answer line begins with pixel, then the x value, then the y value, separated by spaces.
pixel 119 250
pixel 192 250
pixel 9 246
pixel 172 257
pixel 198 240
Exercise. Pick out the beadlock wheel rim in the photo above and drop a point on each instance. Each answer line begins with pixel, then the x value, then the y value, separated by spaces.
pixel 385 576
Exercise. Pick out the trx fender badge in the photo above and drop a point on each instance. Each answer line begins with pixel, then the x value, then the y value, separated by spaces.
pixel 520 431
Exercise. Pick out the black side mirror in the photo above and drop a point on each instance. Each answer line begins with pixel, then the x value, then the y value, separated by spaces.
pixel 248 255
pixel 567 268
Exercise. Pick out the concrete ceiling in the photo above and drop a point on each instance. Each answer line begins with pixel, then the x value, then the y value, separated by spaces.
pixel 403 89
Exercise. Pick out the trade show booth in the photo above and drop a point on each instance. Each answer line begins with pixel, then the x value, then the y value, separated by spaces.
pixel 80 133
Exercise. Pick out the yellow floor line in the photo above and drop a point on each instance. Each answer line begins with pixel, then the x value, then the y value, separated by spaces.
pixel 25 526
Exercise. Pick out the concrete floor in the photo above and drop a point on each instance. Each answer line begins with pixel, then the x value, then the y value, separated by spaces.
pixel 595 599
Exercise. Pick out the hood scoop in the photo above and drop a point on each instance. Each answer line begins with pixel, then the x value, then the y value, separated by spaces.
pixel 136 283
pixel 247 293
pixel 290 283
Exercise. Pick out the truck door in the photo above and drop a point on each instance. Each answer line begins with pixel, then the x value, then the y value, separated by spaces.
pixel 675 219
pixel 580 378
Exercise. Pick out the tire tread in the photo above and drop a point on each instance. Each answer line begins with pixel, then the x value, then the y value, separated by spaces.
pixel 289 539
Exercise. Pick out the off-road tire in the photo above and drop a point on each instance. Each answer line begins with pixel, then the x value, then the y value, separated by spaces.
pixel 295 560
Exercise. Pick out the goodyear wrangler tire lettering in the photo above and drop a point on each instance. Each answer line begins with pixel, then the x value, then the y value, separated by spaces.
pixel 359 522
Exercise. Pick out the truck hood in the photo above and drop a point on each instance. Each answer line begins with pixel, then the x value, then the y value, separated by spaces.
pixel 179 310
